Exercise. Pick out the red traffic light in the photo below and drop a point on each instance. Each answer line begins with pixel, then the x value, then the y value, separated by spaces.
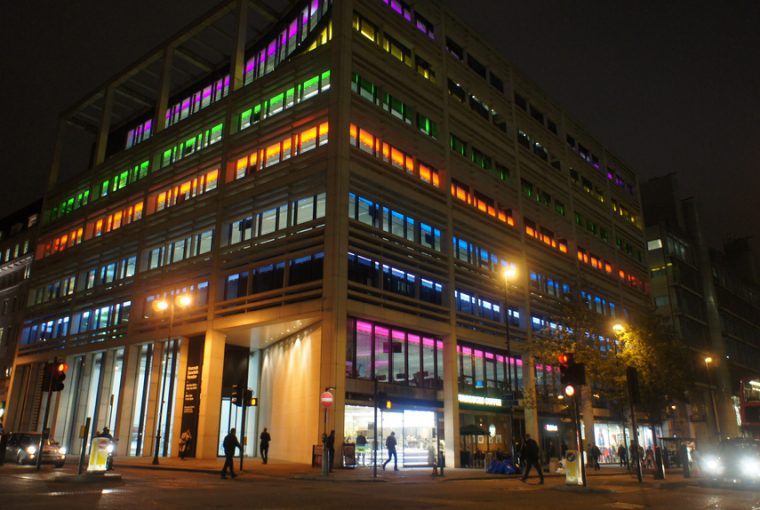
pixel 565 359
pixel 61 367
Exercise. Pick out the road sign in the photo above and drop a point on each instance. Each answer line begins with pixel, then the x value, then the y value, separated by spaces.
pixel 573 468
pixel 326 399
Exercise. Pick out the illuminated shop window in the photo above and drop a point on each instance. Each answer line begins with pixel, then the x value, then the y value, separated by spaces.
pixel 369 143
pixel 294 145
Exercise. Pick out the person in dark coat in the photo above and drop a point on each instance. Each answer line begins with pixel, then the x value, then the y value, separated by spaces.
pixel 530 456
pixel 330 445
pixel 390 444
pixel 594 453
pixel 230 443
pixel 623 454
pixel 264 439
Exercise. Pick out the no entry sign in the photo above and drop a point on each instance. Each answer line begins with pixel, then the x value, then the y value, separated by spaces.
pixel 326 399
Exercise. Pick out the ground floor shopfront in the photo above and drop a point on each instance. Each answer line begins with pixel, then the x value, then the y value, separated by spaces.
pixel 148 393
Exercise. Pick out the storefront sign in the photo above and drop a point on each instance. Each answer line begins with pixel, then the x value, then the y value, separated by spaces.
pixel 481 401
pixel 550 427
pixel 192 393
pixel 573 468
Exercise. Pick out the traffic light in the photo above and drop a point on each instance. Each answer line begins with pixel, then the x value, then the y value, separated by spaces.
pixel 58 375
pixel 237 395
pixel 249 399
pixel 570 372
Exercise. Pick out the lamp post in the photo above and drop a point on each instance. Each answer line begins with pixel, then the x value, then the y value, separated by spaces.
pixel 632 380
pixel 509 274
pixel 160 306
pixel 708 361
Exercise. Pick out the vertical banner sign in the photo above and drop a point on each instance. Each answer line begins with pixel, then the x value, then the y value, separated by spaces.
pixel 192 393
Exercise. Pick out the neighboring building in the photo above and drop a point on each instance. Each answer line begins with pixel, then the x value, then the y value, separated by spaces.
pixel 713 301
pixel 313 264
pixel 18 235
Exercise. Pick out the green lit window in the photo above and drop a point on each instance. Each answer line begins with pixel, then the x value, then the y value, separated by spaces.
pixel 397 108
pixel 457 145
pixel 427 126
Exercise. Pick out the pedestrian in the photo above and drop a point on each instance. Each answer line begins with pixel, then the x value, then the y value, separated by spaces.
pixel 264 439
pixel 623 454
pixel 594 453
pixel 330 446
pixel 184 443
pixel 530 456
pixel 649 458
pixel 361 447
pixel 229 444
pixel 106 434
pixel 390 444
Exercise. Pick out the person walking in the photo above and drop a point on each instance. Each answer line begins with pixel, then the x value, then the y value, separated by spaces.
pixel 264 439
pixel 361 447
pixel 184 443
pixel 530 456
pixel 330 446
pixel 229 444
pixel 623 455
pixel 594 453
pixel 390 444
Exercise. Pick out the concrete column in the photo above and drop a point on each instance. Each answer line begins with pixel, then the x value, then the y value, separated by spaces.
pixel 587 412
pixel 164 89
pixel 335 278
pixel 451 401
pixel 106 375
pixel 105 126
pixel 124 412
pixel 180 392
pixel 530 402
pixel 237 63
pixel 211 395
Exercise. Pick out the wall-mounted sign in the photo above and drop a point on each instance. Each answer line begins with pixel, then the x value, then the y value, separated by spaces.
pixel 481 401
pixel 551 427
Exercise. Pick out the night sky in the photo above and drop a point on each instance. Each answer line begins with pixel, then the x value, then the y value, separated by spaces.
pixel 667 86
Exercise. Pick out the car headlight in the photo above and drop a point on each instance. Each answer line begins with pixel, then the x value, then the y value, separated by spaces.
pixel 62 450
pixel 31 450
pixel 750 467
pixel 713 465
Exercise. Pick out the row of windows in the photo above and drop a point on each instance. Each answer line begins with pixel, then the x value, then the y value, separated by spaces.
pixel 488 368
pixel 624 213
pixel 114 221
pixel 458 52
pixel 480 159
pixel 393 355
pixel 542 197
pixel 125 178
pixel 139 133
pixel 59 288
pixel 481 202
pixel 477 256
pixel 538 148
pixel 80 322
pixel 392 279
pixel 61 242
pixel 180 249
pixel 537 114
pixel 397 50
pixel 371 144
pixel 271 53
pixel 169 197
pixel 585 154
pixel 403 9
pixel 477 105
pixel 605 266
pixel 282 150
pixel 598 304
pixel 628 249
pixel 618 181
pixel 285 100
pixel 588 187
pixel 18 250
pixel 591 227
pixel 545 236
pixel 268 277
pixel 190 146
pixel 295 212
pixel 549 286
pixel 397 108
pixel 471 304
pixel 69 205
pixel 394 222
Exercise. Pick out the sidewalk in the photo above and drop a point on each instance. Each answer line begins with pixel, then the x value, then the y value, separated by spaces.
pixel 283 469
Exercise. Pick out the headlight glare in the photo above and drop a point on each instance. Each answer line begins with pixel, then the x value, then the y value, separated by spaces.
pixel 31 450
pixel 109 448
pixel 713 465
pixel 750 467
pixel 62 450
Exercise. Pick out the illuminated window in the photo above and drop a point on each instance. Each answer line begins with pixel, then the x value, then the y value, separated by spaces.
pixel 192 145
pixel 192 188
pixel 115 220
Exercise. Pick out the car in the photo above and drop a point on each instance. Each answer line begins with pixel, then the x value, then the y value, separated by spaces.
pixel 736 461
pixel 22 448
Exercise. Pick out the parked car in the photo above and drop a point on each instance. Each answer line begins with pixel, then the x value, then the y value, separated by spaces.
pixel 736 461
pixel 22 448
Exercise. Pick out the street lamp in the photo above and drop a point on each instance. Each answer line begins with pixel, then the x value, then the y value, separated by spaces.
pixel 160 306
pixel 509 274
pixel 708 361
pixel 632 379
